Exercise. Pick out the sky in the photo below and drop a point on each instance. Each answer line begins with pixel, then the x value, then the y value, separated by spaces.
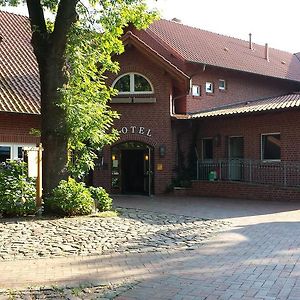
pixel 275 22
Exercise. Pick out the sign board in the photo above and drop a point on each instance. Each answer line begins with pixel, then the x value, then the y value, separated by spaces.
pixel 32 154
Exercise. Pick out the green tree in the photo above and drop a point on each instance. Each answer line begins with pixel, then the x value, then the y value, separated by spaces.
pixel 72 60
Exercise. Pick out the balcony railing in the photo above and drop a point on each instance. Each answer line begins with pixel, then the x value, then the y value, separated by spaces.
pixel 255 171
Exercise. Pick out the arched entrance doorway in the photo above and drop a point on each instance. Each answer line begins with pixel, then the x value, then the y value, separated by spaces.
pixel 132 168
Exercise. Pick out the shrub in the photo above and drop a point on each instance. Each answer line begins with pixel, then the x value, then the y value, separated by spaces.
pixel 70 198
pixel 101 197
pixel 17 190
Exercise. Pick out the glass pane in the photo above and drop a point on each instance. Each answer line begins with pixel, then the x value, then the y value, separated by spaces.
pixel 141 84
pixel 236 147
pixel 207 149
pixel 271 146
pixel 123 84
pixel 4 153
pixel 20 152
pixel 209 87
pixel 222 84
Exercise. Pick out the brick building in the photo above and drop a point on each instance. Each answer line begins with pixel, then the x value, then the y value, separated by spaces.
pixel 19 87
pixel 193 104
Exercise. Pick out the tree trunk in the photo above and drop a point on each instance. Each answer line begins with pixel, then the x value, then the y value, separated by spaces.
pixel 54 133
pixel 49 49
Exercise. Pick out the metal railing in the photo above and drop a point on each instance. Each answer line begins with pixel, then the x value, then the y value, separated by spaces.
pixel 279 173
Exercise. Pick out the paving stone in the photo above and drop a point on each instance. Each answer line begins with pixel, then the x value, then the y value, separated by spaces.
pixel 133 231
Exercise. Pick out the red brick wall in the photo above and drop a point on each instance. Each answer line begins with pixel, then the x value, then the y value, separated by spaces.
pixel 15 128
pixel 153 116
pixel 251 127
pixel 237 190
pixel 240 87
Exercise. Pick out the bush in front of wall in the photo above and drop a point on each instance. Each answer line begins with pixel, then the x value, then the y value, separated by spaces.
pixel 101 197
pixel 17 190
pixel 70 198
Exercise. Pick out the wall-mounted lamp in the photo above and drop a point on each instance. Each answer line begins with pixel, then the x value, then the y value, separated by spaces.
pixel 113 157
pixel 162 150
pixel 146 157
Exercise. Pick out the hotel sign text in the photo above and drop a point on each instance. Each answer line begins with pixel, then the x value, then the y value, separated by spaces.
pixel 136 130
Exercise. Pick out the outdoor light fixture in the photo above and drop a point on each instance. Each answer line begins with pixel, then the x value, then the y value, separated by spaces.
pixel 113 157
pixel 146 157
pixel 162 150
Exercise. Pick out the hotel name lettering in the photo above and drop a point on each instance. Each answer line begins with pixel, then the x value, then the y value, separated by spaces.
pixel 136 130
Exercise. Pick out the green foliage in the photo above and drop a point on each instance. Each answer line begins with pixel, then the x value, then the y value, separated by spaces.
pixel 93 39
pixel 86 95
pixel 17 191
pixel 70 198
pixel 101 198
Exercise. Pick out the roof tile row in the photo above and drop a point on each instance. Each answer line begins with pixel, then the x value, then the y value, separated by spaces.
pixel 204 47
pixel 19 78
pixel 267 104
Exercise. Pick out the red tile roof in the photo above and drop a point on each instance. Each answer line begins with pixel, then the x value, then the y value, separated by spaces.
pixel 268 104
pixel 19 79
pixel 200 46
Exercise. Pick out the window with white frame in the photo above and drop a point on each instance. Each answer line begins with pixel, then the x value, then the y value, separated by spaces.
pixel 196 90
pixel 207 148
pixel 270 146
pixel 209 87
pixel 222 85
pixel 133 83
pixel 12 151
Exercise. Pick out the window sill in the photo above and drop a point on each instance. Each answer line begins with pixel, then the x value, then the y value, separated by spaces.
pixel 125 100
pixel 270 160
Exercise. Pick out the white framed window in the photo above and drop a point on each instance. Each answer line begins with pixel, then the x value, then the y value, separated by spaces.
pixel 270 146
pixel 222 84
pixel 209 87
pixel 133 83
pixel 12 150
pixel 196 90
pixel 207 148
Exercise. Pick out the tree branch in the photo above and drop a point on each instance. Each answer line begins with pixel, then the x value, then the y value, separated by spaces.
pixel 65 17
pixel 36 15
pixel 38 27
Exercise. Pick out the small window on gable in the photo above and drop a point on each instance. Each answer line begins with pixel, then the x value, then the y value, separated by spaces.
pixel 209 87
pixel 222 85
pixel 133 83
pixel 196 91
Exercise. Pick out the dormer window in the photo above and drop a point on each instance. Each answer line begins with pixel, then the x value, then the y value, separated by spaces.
pixel 209 87
pixel 196 91
pixel 222 85
pixel 133 83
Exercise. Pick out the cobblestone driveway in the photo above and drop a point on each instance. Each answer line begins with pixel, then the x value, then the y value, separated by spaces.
pixel 256 257
pixel 133 231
